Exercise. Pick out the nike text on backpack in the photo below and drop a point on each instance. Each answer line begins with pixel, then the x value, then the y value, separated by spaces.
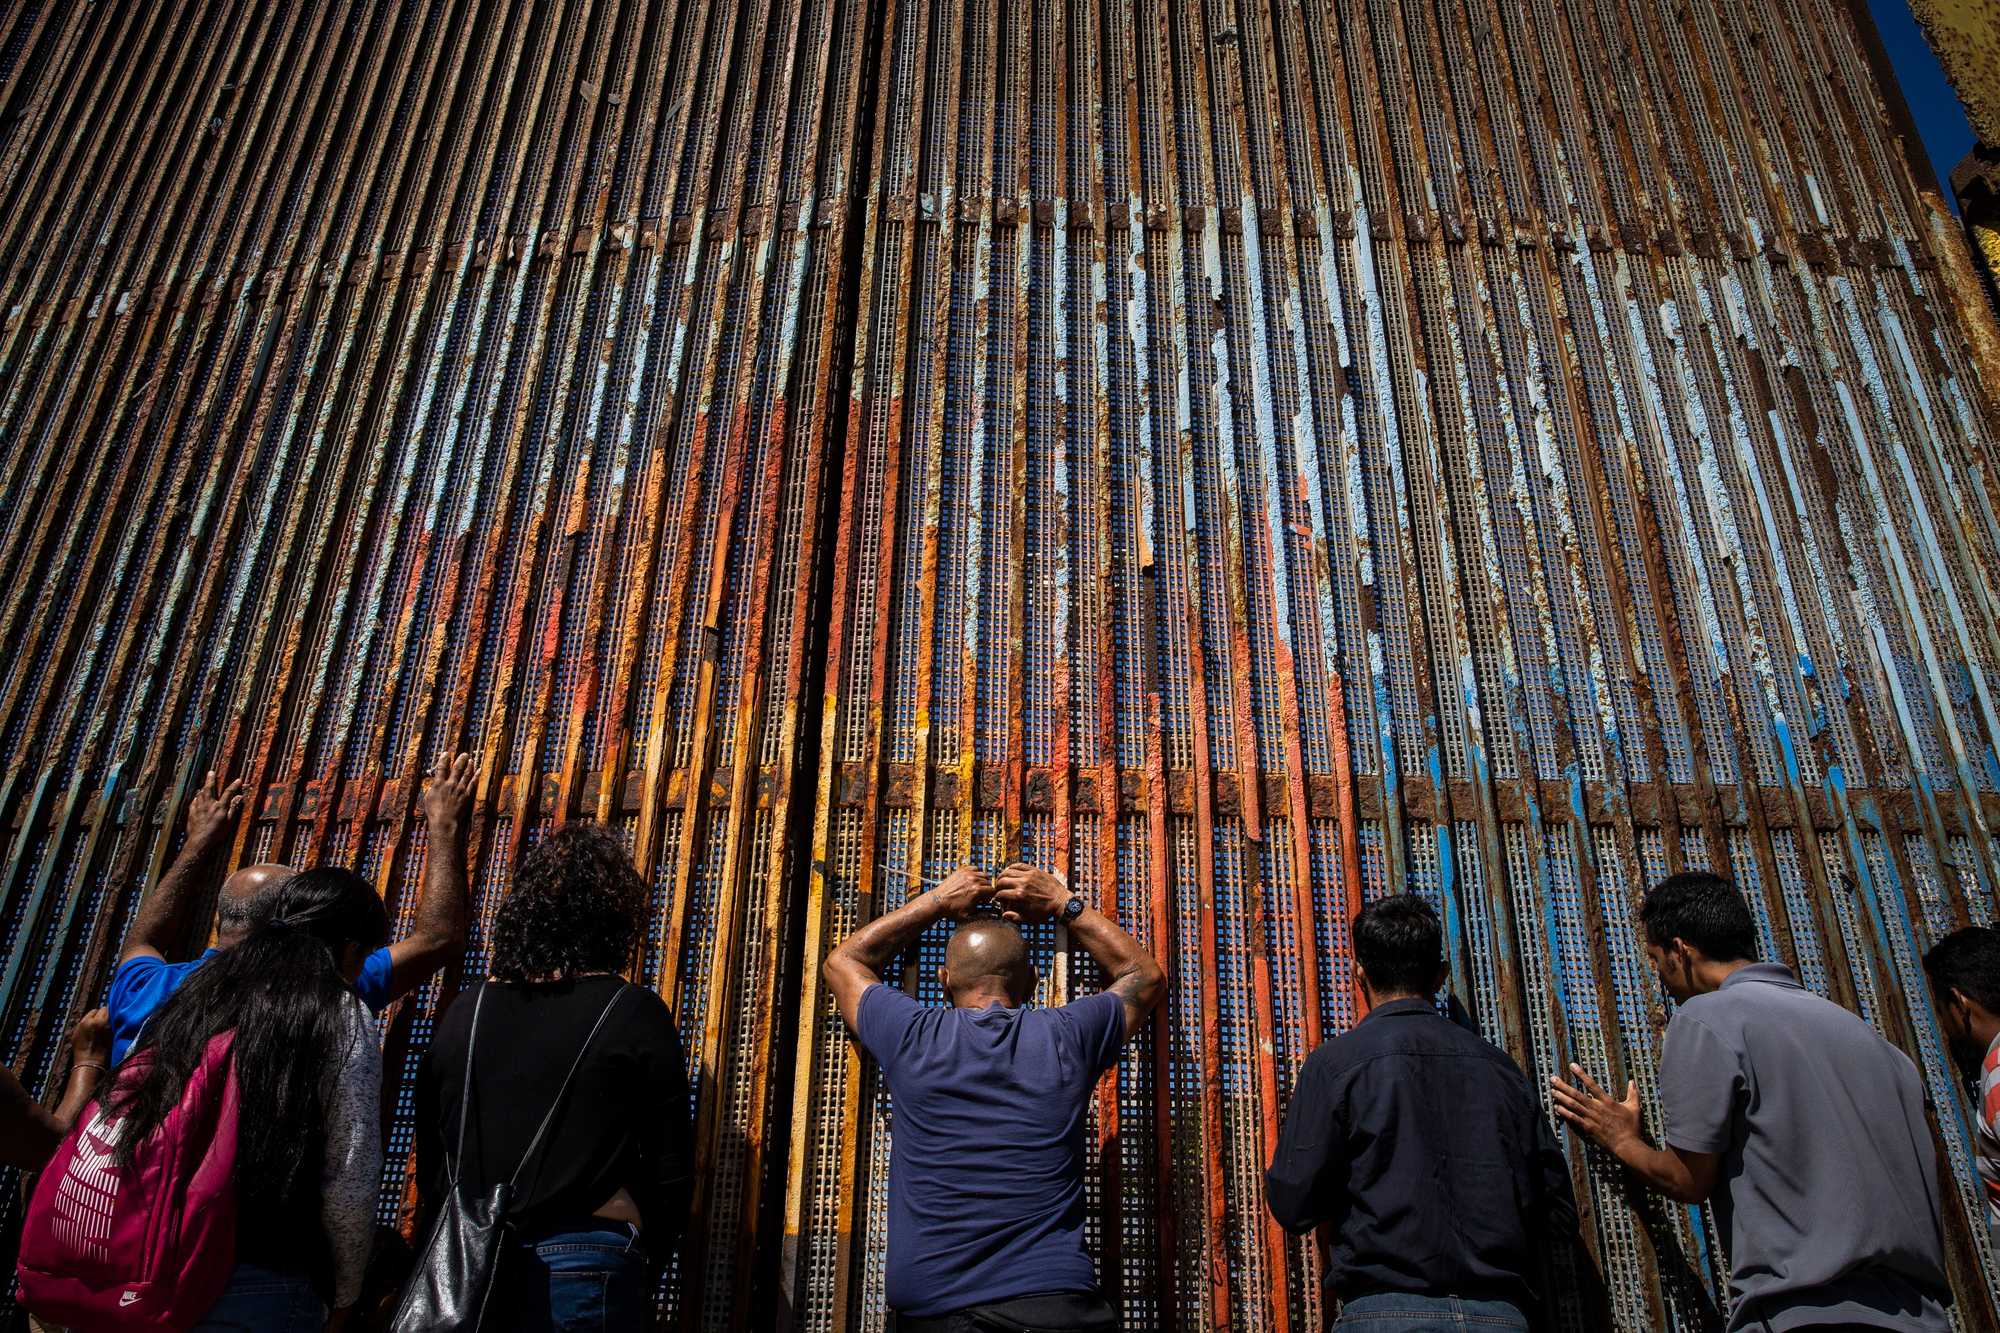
pixel 149 1245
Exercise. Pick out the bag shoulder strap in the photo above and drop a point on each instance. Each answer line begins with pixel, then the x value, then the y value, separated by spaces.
pixel 465 1090
pixel 562 1093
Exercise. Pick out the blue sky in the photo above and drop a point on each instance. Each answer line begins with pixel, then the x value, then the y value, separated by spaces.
pixel 1940 118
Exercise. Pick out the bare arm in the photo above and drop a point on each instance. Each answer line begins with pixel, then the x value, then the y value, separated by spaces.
pixel 89 1059
pixel 856 963
pixel 439 931
pixel 32 1131
pixel 351 1164
pixel 28 1132
pixel 1136 979
pixel 162 919
pixel 1681 1175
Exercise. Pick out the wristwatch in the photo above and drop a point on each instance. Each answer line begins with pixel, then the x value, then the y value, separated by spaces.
pixel 1072 909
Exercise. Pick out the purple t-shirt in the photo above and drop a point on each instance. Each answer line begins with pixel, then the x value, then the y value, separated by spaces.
pixel 986 1156
pixel 143 984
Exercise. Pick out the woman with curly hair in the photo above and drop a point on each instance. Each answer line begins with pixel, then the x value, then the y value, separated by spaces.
pixel 601 1193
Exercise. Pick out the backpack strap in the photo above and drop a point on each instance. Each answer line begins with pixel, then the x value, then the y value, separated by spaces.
pixel 465 1091
pixel 562 1093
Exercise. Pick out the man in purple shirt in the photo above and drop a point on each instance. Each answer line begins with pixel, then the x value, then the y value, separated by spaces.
pixel 989 1097
pixel 144 978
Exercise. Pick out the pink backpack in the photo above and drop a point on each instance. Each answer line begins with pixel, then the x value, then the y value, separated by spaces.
pixel 146 1246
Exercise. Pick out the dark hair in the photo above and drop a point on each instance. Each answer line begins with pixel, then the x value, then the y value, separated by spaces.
pixel 1400 944
pixel 1967 960
pixel 575 907
pixel 1704 909
pixel 279 989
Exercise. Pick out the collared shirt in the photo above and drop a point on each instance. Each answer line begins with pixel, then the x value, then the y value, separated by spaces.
pixel 1424 1150
pixel 1828 1206
pixel 1986 1127
pixel 142 984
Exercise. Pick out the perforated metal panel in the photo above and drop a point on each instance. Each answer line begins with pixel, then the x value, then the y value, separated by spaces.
pixel 1253 458
pixel 384 380
pixel 1476 428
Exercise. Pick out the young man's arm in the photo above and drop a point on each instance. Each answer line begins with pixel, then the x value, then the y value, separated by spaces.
pixel 856 963
pixel 438 934
pixel 162 920
pixel 1678 1173
pixel 1309 1150
pixel 1138 981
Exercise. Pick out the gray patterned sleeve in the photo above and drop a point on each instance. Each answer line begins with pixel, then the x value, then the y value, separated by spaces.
pixel 353 1171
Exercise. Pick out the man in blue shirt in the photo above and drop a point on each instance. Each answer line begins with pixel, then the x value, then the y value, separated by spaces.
pixel 986 1161
pixel 144 978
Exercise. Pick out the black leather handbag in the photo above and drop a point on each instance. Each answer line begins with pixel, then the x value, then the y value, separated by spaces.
pixel 455 1272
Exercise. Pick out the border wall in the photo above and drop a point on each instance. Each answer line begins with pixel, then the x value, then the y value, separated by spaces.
pixel 1250 457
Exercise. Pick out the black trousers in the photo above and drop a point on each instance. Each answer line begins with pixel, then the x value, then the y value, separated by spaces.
pixel 1055 1312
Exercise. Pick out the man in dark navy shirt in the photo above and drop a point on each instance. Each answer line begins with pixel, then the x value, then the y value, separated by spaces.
pixel 986 1162
pixel 1422 1150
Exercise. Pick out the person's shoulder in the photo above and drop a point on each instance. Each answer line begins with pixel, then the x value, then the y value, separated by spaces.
pixel 1734 1010
pixel 633 996
pixel 1473 1046
pixel 1700 1024
pixel 1719 1011
pixel 643 1007
pixel 139 965
pixel 1429 1035
pixel 357 1033
pixel 883 1004
pixel 1083 1008
pixel 151 969
pixel 456 1016
pixel 1344 1052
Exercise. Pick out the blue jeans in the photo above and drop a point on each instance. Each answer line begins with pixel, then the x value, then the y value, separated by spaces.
pixel 1391 1313
pixel 258 1300
pixel 593 1280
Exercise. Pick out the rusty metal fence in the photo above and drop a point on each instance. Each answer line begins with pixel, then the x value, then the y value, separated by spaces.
pixel 1252 457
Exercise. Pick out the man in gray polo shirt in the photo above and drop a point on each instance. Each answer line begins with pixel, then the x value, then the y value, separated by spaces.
pixel 1811 1122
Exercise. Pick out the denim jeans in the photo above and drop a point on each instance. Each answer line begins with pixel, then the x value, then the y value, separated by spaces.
pixel 1391 1313
pixel 593 1279
pixel 258 1300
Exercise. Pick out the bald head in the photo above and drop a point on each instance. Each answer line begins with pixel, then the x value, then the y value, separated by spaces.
pixel 987 961
pixel 239 891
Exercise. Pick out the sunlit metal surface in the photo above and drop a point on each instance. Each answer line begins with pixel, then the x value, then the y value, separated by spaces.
pixel 1251 458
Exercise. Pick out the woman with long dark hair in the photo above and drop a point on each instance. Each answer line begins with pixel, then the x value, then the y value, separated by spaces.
pixel 308 1077
pixel 602 1193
